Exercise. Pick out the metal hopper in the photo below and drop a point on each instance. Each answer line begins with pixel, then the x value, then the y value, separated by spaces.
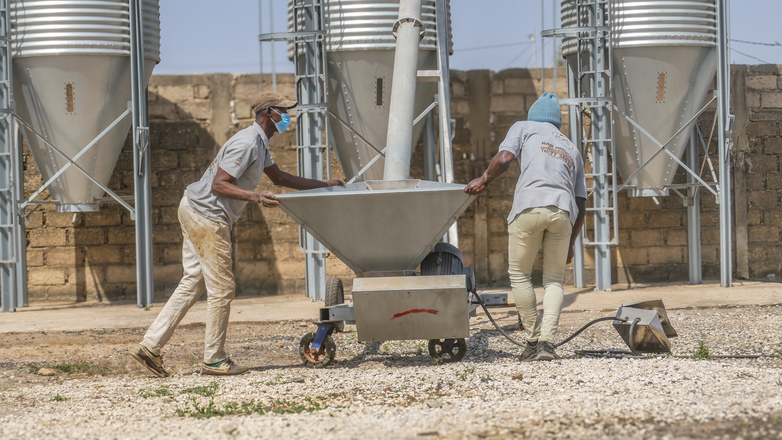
pixel 71 80
pixel 378 227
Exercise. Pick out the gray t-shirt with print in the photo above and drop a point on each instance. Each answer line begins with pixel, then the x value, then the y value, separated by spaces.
pixel 552 169
pixel 243 157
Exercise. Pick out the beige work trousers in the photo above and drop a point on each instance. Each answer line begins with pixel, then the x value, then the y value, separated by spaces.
pixel 206 260
pixel 550 228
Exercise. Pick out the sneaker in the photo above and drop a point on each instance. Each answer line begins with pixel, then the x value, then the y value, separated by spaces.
pixel 154 363
pixel 223 368
pixel 546 351
pixel 530 350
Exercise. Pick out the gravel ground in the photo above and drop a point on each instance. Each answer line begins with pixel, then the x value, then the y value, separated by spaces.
pixel 393 390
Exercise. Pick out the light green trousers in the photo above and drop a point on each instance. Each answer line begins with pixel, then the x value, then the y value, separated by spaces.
pixel 550 228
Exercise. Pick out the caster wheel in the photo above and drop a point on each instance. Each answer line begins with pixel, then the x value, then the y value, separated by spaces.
pixel 322 357
pixel 447 350
pixel 335 295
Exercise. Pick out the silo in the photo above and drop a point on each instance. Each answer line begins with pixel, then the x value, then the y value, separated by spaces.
pixel 72 80
pixel 664 61
pixel 360 48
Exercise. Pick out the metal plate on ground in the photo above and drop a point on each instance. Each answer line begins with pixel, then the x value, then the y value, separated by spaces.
pixel 416 307
pixel 642 331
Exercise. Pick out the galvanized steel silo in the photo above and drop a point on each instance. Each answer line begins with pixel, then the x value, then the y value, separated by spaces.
pixel 71 63
pixel 360 46
pixel 664 62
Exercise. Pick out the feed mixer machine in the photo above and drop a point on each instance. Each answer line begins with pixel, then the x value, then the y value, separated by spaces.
pixel 383 229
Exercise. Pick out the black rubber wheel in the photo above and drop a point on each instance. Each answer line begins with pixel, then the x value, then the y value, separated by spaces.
pixel 447 350
pixel 323 357
pixel 335 295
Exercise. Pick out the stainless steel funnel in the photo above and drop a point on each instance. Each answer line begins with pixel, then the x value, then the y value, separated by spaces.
pixel 378 227
pixel 71 81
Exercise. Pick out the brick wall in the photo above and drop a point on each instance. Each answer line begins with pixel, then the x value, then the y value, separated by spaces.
pixel 92 255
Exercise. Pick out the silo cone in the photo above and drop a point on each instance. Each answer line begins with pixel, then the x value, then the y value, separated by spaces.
pixel 664 61
pixel 71 81
pixel 360 49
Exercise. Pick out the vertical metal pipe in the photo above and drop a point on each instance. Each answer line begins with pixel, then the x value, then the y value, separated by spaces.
pixel 444 106
pixel 8 218
pixel 574 122
pixel 310 132
pixel 402 103
pixel 542 47
pixel 724 122
pixel 271 29
pixel 260 32
pixel 601 130
pixel 693 215
pixel 430 148
pixel 19 226
pixel 555 46
pixel 145 288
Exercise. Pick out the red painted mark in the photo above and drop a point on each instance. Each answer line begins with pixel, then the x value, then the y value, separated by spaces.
pixel 408 312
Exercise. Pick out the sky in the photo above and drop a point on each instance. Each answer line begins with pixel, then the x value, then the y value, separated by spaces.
pixel 207 36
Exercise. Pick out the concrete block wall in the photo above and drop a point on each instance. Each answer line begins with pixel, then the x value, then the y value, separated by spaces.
pixel 91 256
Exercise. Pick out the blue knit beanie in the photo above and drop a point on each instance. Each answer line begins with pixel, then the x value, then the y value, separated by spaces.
pixel 546 109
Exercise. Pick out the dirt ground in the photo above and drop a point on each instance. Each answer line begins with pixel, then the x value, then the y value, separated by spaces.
pixel 274 345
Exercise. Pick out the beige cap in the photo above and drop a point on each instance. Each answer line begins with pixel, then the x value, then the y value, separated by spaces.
pixel 266 100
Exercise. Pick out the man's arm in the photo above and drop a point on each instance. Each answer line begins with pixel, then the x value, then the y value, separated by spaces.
pixel 499 164
pixel 581 203
pixel 281 178
pixel 224 185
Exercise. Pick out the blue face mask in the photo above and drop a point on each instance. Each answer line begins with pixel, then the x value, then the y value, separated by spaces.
pixel 285 120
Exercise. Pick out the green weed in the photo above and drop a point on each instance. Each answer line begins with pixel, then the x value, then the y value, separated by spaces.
pixel 160 392
pixel 467 371
pixel 197 410
pixel 209 391
pixel 702 352
pixel 80 367
pixel 58 398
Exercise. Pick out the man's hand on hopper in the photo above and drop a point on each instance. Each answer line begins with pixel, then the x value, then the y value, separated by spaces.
pixel 476 186
pixel 334 182
pixel 268 199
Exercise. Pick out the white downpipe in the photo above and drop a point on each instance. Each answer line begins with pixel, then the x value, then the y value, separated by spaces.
pixel 399 140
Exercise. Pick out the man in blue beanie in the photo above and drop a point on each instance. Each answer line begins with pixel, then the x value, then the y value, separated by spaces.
pixel 548 211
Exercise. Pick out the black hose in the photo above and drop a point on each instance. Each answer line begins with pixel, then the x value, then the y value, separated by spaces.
pixel 483 305
pixel 590 323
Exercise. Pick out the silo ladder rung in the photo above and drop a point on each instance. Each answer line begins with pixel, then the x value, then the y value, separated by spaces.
pixel 307 147
pixel 312 107
pixel 592 141
pixel 309 4
pixel 429 75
